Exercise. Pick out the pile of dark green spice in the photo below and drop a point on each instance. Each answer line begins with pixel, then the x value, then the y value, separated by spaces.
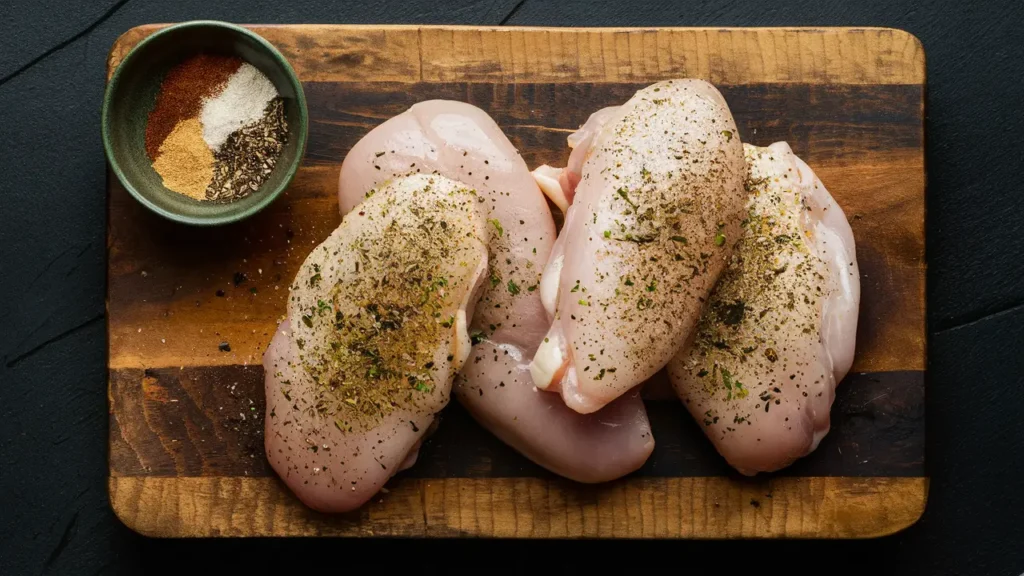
pixel 249 155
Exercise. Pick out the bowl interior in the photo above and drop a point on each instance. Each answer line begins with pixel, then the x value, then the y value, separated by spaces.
pixel 132 94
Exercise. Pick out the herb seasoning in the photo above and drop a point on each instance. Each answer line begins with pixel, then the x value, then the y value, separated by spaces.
pixel 662 193
pixel 249 155
pixel 758 348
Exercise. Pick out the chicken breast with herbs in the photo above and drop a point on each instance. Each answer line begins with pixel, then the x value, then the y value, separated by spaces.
pixel 462 142
pixel 653 215
pixel 376 329
pixel 781 324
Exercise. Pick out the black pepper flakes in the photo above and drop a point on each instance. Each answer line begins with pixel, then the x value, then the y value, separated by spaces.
pixel 248 157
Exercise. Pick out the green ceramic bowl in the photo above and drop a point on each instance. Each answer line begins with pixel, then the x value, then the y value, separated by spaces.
pixel 131 94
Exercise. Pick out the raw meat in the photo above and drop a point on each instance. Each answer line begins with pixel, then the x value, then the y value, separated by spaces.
pixel 650 224
pixel 376 329
pixel 462 142
pixel 781 325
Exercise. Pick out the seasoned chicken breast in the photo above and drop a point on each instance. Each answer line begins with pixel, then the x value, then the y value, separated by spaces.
pixel 560 184
pixel 653 216
pixel 781 325
pixel 376 329
pixel 462 142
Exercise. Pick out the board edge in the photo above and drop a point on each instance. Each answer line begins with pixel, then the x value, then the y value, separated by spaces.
pixel 919 51
pixel 165 518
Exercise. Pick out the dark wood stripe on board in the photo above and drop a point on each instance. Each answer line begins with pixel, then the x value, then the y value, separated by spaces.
pixel 863 141
pixel 208 421
pixel 819 121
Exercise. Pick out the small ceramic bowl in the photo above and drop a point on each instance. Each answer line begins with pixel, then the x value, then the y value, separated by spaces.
pixel 131 94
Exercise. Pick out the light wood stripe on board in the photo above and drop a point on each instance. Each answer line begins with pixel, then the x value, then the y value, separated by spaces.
pixel 399 53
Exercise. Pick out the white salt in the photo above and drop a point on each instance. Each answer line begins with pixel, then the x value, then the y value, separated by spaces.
pixel 242 102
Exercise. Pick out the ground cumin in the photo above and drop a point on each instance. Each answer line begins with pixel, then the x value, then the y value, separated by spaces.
pixel 182 93
pixel 184 160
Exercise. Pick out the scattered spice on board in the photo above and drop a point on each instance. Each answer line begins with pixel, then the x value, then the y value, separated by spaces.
pixel 217 129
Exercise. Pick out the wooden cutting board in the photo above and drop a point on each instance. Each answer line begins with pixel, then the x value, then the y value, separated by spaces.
pixel 186 419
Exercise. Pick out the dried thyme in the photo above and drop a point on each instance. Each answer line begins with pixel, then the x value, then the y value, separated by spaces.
pixel 249 155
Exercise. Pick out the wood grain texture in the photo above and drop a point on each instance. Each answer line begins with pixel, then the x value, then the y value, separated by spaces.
pixel 207 421
pixel 502 55
pixel 186 455
pixel 807 507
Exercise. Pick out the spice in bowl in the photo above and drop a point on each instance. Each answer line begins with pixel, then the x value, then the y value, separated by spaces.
pixel 217 128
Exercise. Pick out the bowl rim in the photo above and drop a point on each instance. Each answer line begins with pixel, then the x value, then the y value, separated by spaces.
pixel 303 127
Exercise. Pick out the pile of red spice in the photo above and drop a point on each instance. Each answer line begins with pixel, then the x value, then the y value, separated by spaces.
pixel 184 88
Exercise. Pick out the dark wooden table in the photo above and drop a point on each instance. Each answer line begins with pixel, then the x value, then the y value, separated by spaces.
pixel 53 424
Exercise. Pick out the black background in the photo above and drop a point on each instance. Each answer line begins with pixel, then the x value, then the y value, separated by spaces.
pixel 55 516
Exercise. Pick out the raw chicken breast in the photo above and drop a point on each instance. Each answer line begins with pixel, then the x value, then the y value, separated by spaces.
pixel 496 388
pixel 650 227
pixel 781 325
pixel 462 142
pixel 377 328
pixel 559 184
